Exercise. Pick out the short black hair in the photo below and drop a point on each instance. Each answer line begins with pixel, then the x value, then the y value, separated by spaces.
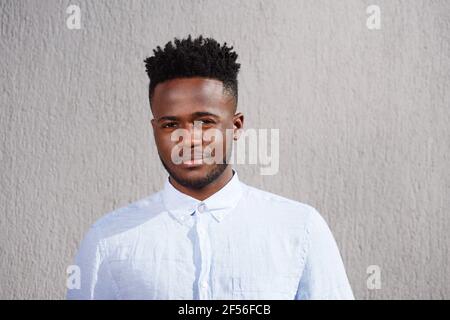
pixel 199 57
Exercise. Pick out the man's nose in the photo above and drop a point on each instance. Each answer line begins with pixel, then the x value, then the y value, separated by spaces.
pixel 195 135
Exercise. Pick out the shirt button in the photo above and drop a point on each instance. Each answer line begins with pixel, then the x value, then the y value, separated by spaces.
pixel 201 208
pixel 204 284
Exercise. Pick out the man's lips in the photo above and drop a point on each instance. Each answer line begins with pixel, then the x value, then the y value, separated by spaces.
pixel 196 159
pixel 193 162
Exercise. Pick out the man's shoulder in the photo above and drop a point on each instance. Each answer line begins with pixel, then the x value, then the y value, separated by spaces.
pixel 279 204
pixel 130 215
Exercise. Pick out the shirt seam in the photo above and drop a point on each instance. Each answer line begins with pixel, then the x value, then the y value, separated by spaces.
pixel 306 247
pixel 103 257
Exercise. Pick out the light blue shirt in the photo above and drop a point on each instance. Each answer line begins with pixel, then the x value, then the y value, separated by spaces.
pixel 240 243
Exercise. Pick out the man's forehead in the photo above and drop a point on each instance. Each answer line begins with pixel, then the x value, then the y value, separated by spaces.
pixel 181 90
pixel 188 95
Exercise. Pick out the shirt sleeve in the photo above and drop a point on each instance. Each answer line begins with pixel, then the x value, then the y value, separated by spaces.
pixel 324 276
pixel 96 281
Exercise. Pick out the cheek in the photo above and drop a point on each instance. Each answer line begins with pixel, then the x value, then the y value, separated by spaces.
pixel 220 142
pixel 164 144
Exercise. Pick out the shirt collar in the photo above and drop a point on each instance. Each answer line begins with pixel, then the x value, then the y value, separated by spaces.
pixel 181 206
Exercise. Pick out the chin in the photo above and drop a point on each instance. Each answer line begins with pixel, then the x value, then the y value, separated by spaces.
pixel 196 177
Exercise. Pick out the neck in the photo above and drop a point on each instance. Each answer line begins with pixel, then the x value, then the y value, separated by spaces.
pixel 206 191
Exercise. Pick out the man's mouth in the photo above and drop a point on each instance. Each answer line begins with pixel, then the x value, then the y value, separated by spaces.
pixel 195 160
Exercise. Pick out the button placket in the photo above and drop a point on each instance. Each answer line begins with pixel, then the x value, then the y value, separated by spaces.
pixel 205 254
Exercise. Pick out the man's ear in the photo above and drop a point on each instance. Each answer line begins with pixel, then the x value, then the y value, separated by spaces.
pixel 238 125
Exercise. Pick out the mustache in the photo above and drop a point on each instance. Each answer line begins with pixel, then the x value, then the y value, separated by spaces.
pixel 198 155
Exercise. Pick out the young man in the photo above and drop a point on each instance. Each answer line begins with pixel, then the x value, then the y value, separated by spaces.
pixel 206 234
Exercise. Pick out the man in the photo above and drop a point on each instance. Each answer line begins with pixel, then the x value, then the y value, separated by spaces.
pixel 206 234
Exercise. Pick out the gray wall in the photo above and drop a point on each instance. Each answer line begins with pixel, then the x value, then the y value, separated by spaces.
pixel 363 116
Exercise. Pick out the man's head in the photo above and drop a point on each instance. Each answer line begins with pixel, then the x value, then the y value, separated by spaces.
pixel 194 82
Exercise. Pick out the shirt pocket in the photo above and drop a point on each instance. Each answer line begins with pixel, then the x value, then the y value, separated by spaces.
pixel 267 287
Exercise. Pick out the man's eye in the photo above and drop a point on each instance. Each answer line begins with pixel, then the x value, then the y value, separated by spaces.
pixel 207 121
pixel 169 125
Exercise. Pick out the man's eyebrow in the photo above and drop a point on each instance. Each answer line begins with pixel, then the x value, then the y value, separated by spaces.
pixel 195 114
pixel 167 118
pixel 204 113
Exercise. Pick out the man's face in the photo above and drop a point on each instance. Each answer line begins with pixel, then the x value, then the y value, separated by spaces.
pixel 190 108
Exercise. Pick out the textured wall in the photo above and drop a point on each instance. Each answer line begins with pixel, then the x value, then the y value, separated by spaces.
pixel 364 119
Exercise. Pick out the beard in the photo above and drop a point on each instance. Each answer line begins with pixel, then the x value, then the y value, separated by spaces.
pixel 200 183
